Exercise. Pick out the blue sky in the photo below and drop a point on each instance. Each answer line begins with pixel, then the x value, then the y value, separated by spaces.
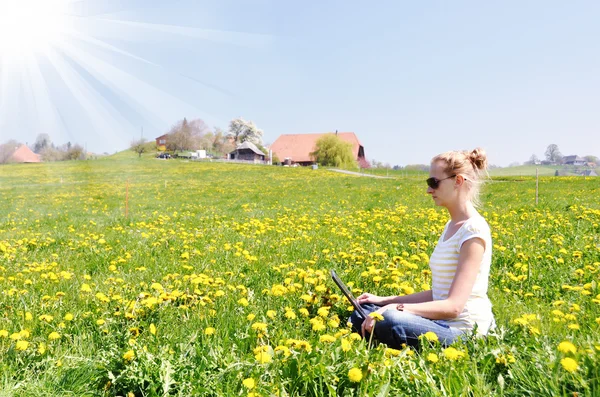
pixel 411 79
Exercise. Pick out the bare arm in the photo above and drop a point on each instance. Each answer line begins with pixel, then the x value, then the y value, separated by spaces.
pixel 418 297
pixel 469 261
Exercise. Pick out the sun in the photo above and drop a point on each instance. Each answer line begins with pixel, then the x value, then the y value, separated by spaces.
pixel 31 26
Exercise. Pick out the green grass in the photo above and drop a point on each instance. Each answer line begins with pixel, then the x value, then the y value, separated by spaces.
pixel 219 246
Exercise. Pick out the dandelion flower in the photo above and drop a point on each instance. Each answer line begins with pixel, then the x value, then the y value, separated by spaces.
pixel 327 338
pixel 249 383
pixel 129 355
pixel 432 358
pixel 355 375
pixel 22 345
pixel 68 317
pixel 209 331
pixel 569 364
pixel 346 345
pixel 261 327
pixel 567 347
pixel 153 329
pixel 452 354
pixel 430 336
pixel 54 336
pixel 376 316
pixel 3 333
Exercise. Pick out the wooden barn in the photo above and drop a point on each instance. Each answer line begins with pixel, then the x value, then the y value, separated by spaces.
pixel 247 151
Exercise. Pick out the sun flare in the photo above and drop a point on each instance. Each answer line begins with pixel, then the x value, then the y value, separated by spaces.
pixel 29 26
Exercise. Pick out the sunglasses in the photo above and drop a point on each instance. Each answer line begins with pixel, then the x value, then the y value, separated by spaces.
pixel 434 183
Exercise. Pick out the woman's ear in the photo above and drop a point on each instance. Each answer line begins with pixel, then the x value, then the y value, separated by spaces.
pixel 459 180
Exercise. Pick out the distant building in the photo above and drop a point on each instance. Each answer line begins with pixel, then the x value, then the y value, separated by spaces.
pixel 589 173
pixel 25 155
pixel 161 142
pixel 247 151
pixel 296 148
pixel 574 160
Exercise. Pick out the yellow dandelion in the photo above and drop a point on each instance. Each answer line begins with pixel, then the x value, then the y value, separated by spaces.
pixel 260 327
pixel 432 358
pixel 567 347
pixel 249 383
pixel 569 364
pixel 376 316
pixel 153 329
pixel 54 336
pixel 22 345
pixel 355 375
pixel 430 336
pixel 129 355
pixel 346 345
pixel 453 354
pixel 68 317
pixel 327 338
pixel 209 331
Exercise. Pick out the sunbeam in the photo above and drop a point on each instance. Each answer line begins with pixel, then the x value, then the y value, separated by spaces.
pixel 65 66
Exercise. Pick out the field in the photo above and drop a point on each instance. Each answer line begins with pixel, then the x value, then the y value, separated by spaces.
pixel 127 277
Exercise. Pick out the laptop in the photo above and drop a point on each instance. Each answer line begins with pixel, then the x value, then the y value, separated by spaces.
pixel 348 294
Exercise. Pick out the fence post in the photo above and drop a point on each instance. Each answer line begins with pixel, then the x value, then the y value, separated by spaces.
pixel 537 183
pixel 127 199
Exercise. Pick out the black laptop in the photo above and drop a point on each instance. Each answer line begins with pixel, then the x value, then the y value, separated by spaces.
pixel 348 294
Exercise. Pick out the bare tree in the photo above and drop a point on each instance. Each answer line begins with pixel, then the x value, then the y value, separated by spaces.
pixel 139 146
pixel 186 135
pixel 41 142
pixel 553 154
pixel 7 149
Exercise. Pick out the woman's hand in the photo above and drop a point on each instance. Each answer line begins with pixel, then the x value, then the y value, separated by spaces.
pixel 370 298
pixel 369 323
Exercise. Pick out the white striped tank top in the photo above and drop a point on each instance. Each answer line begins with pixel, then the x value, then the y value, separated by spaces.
pixel 443 263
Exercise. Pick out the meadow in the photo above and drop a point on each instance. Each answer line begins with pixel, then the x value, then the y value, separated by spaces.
pixel 213 280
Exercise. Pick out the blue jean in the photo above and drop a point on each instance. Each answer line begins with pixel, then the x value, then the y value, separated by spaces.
pixel 398 328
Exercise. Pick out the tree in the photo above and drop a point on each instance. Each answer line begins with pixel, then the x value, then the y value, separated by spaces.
pixel 591 159
pixel 241 131
pixel 186 135
pixel 7 149
pixel 41 142
pixel 139 146
pixel 553 154
pixel 74 152
pixel 330 150
pixel 533 160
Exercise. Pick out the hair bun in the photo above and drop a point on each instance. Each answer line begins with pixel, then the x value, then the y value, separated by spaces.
pixel 478 158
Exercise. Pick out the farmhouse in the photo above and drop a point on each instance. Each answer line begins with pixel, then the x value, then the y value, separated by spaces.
pixel 573 160
pixel 247 151
pixel 24 155
pixel 161 142
pixel 296 148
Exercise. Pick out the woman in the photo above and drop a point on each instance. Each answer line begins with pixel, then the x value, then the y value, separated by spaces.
pixel 457 304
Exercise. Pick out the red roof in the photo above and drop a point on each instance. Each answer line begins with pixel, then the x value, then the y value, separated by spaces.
pixel 298 147
pixel 24 155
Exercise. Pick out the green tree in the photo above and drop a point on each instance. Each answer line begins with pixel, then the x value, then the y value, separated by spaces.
pixel 330 150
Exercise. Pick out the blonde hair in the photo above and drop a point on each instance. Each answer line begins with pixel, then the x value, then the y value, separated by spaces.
pixel 472 165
